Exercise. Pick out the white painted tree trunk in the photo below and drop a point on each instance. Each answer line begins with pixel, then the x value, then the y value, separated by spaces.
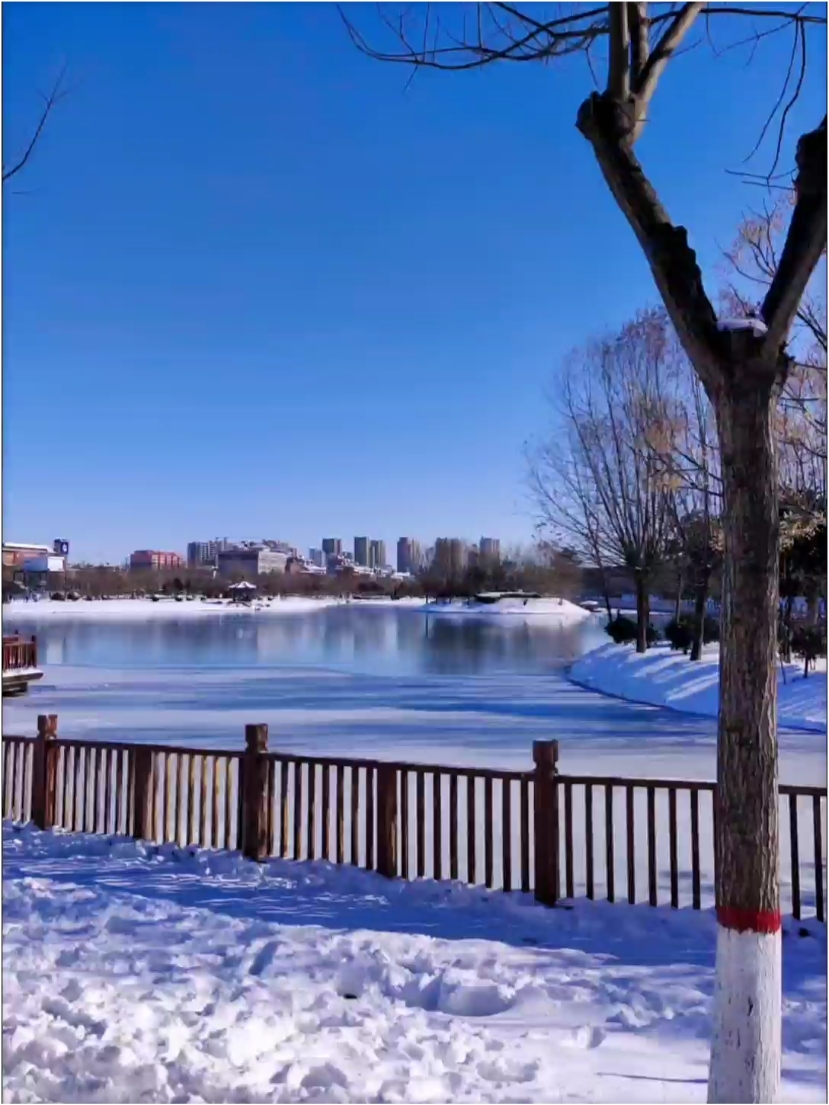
pixel 746 1045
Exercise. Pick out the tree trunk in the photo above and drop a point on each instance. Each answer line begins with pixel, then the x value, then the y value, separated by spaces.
pixel 680 584
pixel 643 613
pixel 745 1050
pixel 700 602
pixel 786 615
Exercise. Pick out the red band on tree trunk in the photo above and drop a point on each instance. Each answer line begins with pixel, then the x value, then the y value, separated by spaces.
pixel 749 920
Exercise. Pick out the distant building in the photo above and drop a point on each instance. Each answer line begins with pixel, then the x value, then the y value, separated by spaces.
pixel 409 555
pixel 377 554
pixel 317 557
pixel 205 554
pixel 252 560
pixel 150 560
pixel 332 546
pixel 451 555
pixel 280 547
pixel 14 555
pixel 361 551
pixel 489 549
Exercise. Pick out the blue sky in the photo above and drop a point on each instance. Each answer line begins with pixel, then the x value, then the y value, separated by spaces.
pixel 254 286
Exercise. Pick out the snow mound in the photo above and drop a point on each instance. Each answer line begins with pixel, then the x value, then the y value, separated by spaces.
pixel 137 973
pixel 661 677
pixel 558 610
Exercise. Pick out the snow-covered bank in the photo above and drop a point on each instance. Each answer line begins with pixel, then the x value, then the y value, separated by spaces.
pixel 28 613
pixel 665 678
pixel 137 973
pixel 559 610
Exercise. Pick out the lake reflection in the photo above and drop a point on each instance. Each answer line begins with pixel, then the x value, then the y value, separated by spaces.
pixel 382 640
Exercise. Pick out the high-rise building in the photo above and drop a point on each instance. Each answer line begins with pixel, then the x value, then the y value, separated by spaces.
pixel 317 556
pixel 205 554
pixel 251 560
pixel 450 555
pixel 409 555
pixel 377 554
pixel 361 551
pixel 489 549
pixel 332 546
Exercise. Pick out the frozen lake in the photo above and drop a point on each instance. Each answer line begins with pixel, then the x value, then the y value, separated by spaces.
pixel 366 682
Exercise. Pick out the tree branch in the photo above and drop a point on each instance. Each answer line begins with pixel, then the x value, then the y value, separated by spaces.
pixel 618 69
pixel 672 261
pixel 805 241
pixel 640 37
pixel 55 96
pixel 662 53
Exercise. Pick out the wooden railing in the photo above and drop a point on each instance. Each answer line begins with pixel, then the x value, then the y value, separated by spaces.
pixel 557 836
pixel 19 653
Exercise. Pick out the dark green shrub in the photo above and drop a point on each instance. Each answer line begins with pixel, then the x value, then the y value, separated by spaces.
pixel 679 634
pixel 808 642
pixel 710 629
pixel 622 631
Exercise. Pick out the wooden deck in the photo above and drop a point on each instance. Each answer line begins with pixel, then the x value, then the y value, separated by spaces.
pixel 19 665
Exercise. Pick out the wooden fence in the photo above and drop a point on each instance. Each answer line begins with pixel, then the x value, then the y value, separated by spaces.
pixel 557 836
pixel 19 653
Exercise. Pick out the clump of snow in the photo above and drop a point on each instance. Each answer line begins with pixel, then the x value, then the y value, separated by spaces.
pixel 137 973
pixel 662 677
pixel 756 325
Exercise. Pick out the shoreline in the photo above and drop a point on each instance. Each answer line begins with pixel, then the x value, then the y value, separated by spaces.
pixel 555 610
pixel 668 680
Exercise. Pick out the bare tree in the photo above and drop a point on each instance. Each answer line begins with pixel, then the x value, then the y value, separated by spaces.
pixel 596 480
pixel 744 371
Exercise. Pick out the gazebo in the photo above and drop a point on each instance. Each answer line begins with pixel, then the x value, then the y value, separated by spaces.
pixel 242 592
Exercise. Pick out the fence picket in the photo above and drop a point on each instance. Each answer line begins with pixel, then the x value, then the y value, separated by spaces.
pixel 454 827
pixel 569 888
pixel 818 833
pixel 794 846
pixel 506 833
pixel 672 834
pixel 588 840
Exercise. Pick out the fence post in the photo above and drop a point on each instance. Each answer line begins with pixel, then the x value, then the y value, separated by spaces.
pixel 545 756
pixel 386 821
pixel 143 760
pixel 255 794
pixel 43 772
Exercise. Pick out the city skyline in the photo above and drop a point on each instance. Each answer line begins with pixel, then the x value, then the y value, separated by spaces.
pixel 207 552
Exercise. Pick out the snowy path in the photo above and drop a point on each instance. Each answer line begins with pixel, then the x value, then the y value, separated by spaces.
pixel 138 974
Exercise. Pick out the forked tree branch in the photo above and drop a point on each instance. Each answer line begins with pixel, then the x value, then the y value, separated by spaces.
pixel 805 241
pixel 57 93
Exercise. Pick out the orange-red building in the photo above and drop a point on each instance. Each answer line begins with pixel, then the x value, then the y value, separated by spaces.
pixel 151 560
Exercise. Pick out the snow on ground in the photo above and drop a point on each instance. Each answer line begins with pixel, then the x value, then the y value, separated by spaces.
pixel 661 677
pixel 557 611
pixel 26 613
pixel 133 973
